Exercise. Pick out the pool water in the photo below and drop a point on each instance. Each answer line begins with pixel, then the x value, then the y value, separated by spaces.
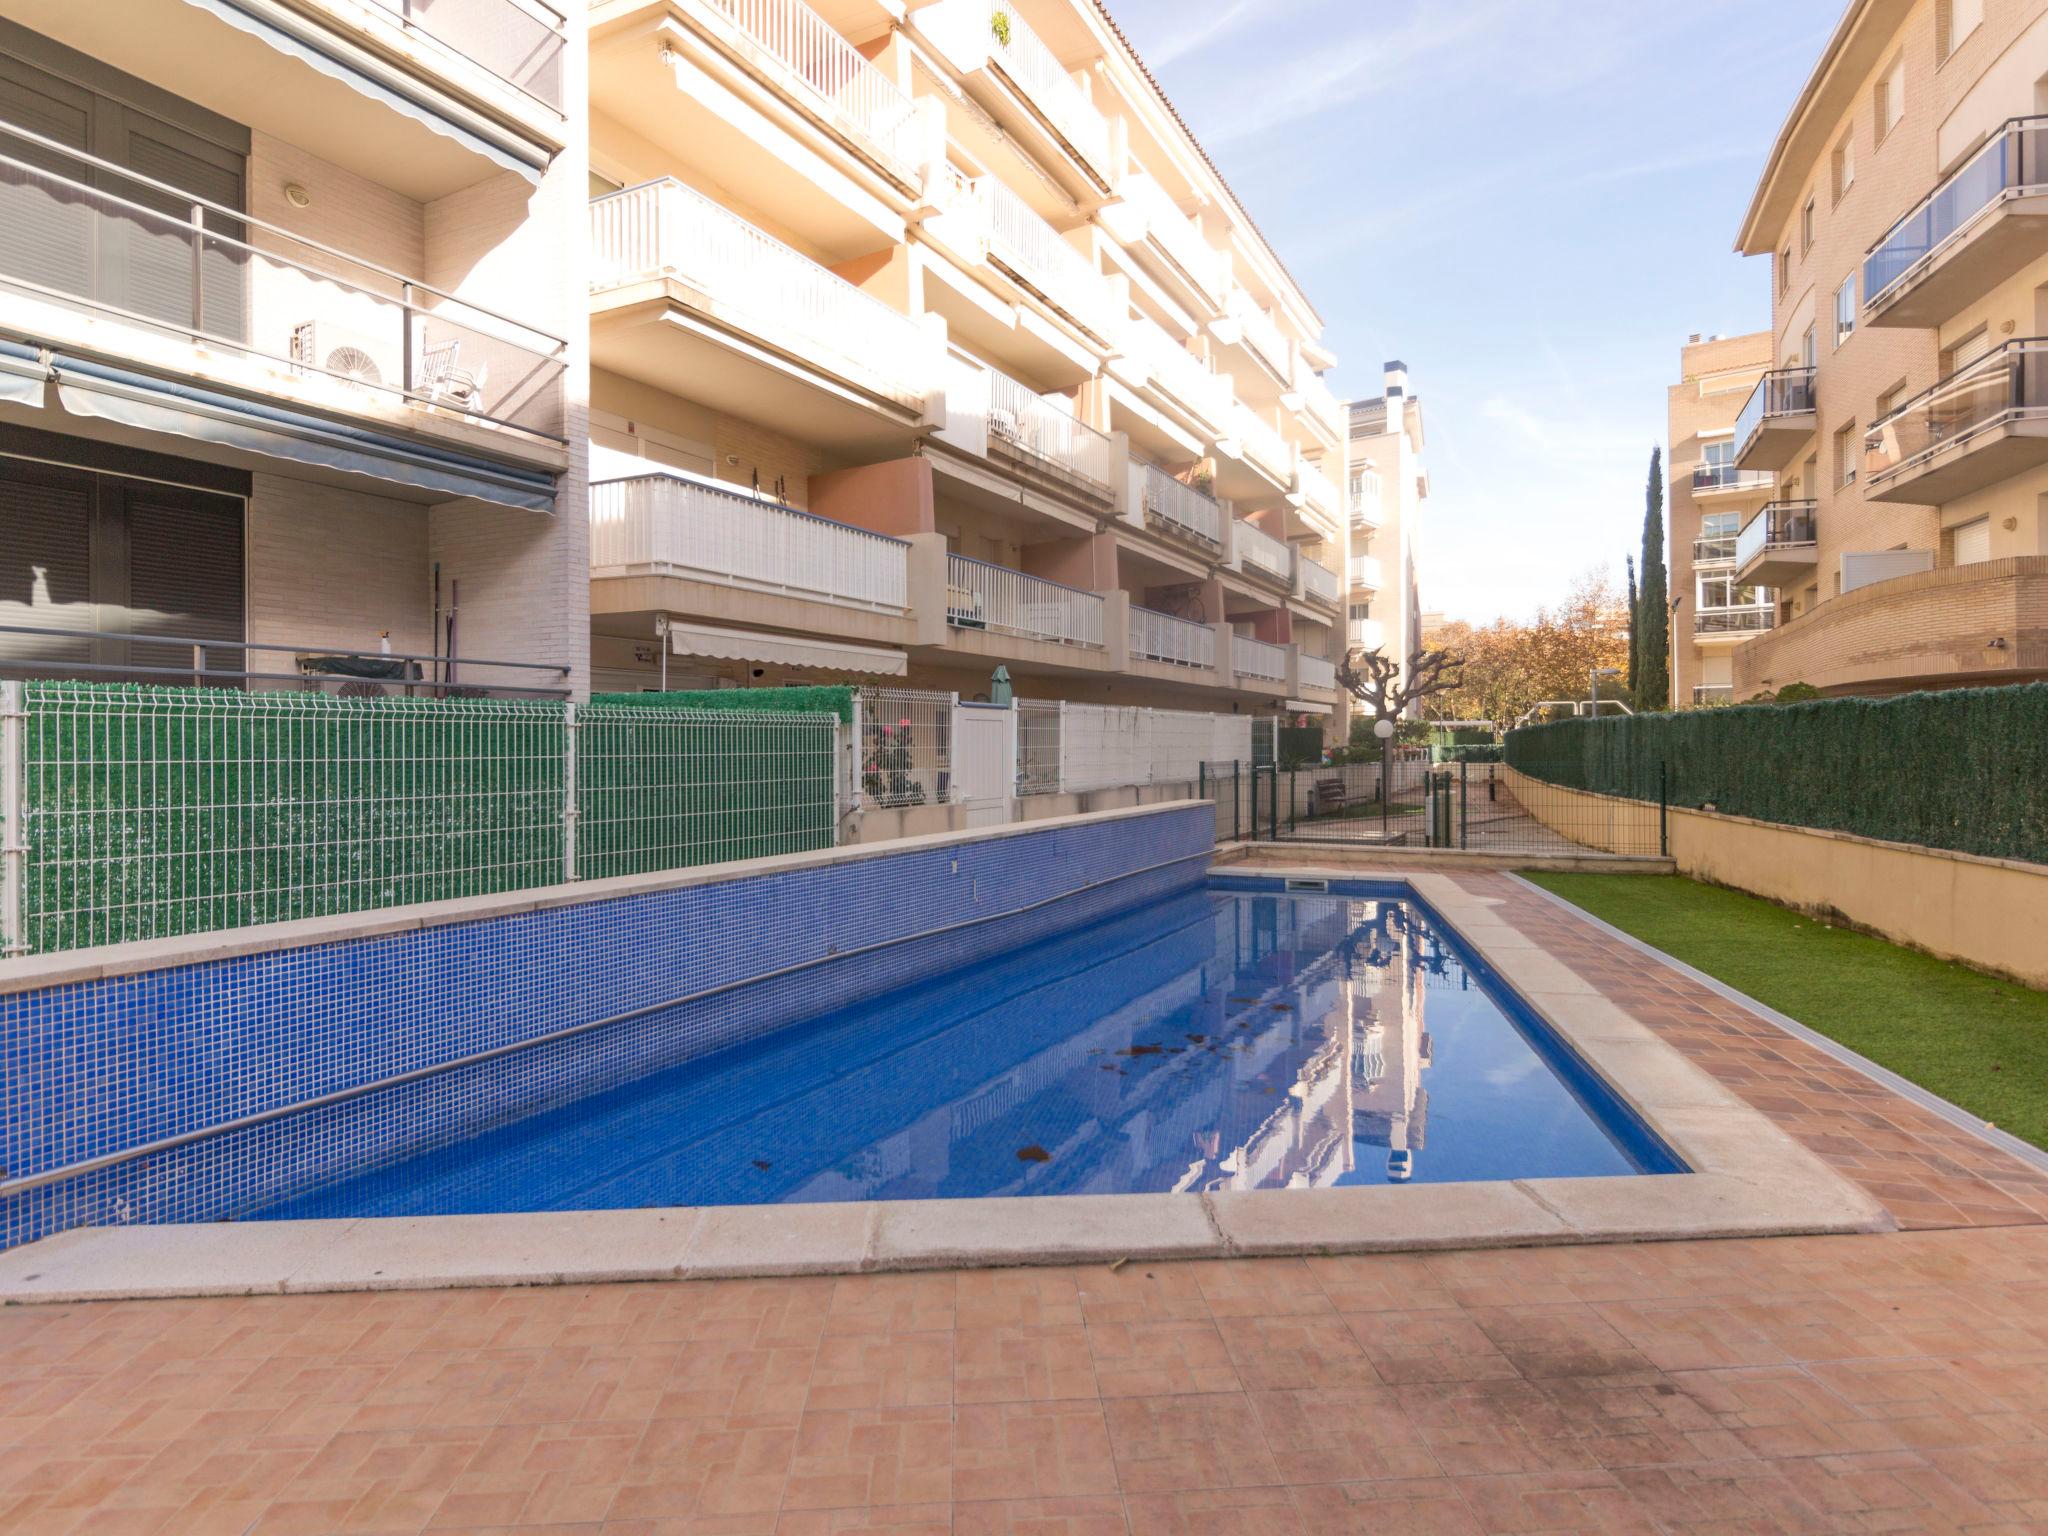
pixel 1222 1039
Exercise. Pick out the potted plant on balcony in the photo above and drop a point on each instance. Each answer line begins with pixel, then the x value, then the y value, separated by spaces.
pixel 999 27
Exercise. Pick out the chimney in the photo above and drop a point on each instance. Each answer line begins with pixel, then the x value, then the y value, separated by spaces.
pixel 1693 340
pixel 1397 379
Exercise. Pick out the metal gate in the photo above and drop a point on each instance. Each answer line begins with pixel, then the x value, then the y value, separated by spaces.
pixel 984 750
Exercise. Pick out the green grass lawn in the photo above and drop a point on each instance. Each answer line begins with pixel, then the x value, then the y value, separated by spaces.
pixel 1977 1041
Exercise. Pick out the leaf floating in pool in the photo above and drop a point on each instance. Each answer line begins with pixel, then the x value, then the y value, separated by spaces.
pixel 1240 1001
pixel 764 1167
pixel 1281 1007
pixel 1143 1050
pixel 1033 1154
pixel 1197 1039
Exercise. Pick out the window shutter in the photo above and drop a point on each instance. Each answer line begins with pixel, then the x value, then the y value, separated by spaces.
pixel 45 237
pixel 186 557
pixel 45 561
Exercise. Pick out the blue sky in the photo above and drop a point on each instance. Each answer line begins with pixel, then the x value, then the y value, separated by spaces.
pixel 1531 202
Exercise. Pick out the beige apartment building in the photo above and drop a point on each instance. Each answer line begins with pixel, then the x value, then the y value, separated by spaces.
pixel 1904 208
pixel 1710 498
pixel 291 307
pixel 1387 484
pixel 926 340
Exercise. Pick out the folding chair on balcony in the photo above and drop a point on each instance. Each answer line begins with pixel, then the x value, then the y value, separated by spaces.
pixel 442 379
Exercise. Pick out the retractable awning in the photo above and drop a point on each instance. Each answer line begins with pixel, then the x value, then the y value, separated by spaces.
pixel 23 373
pixel 784 650
pixel 1304 707
pixel 184 410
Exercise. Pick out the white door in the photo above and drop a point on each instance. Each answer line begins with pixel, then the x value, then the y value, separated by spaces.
pixel 984 772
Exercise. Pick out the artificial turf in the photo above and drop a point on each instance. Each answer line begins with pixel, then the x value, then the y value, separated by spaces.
pixel 1976 1040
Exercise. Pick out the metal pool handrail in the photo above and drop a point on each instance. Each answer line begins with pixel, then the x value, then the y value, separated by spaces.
pixel 106 1160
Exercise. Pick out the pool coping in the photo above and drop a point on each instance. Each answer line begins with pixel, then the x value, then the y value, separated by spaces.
pixel 1749 1178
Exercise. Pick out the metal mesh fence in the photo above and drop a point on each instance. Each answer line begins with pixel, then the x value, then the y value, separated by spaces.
pixel 146 813
pixel 906 747
pixel 1039 743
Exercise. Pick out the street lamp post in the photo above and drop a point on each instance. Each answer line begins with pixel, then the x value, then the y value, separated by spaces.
pixel 1594 685
pixel 1384 729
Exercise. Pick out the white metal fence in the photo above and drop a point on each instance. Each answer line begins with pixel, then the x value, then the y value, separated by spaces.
pixel 1034 67
pixel 1262 444
pixel 1320 582
pixel 994 597
pixel 1040 257
pixel 906 747
pixel 1110 746
pixel 140 813
pixel 663 522
pixel 1162 637
pixel 1029 423
pixel 1179 506
pixel 1255 658
pixel 1317 671
pixel 1039 735
pixel 1258 550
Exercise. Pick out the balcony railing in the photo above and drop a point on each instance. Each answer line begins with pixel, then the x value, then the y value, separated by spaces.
pixel 1726 477
pixel 2007 384
pixel 1258 550
pixel 1176 234
pixel 1367 634
pixel 1320 582
pixel 1180 507
pixel 1037 428
pixel 1366 572
pixel 1178 372
pixel 1007 602
pixel 1319 402
pixel 665 523
pixel 1317 672
pixel 1038 256
pixel 1782 392
pixel 1261 334
pixel 2016 159
pixel 1735 621
pixel 665 229
pixel 1780 525
pixel 1162 637
pixel 1255 658
pixel 519 41
pixel 1713 693
pixel 1262 444
pixel 82 234
pixel 808 52
pixel 1713 551
pixel 1317 489
pixel 1019 53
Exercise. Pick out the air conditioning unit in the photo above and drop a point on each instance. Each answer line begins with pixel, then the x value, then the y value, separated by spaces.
pixel 344 352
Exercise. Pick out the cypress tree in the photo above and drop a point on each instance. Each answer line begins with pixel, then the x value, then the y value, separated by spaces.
pixel 1653 610
pixel 1635 627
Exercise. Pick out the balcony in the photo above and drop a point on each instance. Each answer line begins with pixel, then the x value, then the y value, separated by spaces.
pixel 1776 421
pixel 1317 672
pixel 1317 405
pixel 1710 624
pixel 1257 339
pixel 1727 480
pixel 1258 661
pixel 1259 553
pixel 1319 584
pixel 1169 243
pixel 1974 429
pixel 518 42
pixel 1319 495
pixel 1714 551
pixel 1779 546
pixel 1177 375
pixel 1979 227
pixel 108 262
pixel 691 298
pixel 1258 446
pixel 1176 642
pixel 664 525
pixel 1366 572
pixel 1006 602
pixel 1178 509
pixel 1044 434
pixel 1366 634
pixel 1035 254
pixel 1012 71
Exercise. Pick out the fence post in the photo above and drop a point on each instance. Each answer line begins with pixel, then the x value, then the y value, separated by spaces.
pixel 838 777
pixel 13 817
pixel 1663 809
pixel 570 726
pixel 1273 802
pixel 855 768
pixel 1237 802
pixel 1464 779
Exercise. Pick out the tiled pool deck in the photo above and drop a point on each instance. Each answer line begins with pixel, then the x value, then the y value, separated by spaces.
pixel 1848 1383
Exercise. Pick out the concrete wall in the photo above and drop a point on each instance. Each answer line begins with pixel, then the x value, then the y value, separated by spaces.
pixel 1988 913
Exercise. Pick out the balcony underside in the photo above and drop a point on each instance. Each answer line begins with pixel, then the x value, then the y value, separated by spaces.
pixel 1004 329
pixel 2002 241
pixel 702 109
pixel 991 485
pixel 1722 639
pixel 1778 441
pixel 1023 655
pixel 1241 478
pixel 1161 432
pixel 646 331
pixel 1034 135
pixel 1780 565
pixel 194 54
pixel 1762 490
pixel 627 603
pixel 1974 463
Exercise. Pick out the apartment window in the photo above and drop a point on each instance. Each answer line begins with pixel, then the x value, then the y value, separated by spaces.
pixel 1845 454
pixel 1965 352
pixel 1970 544
pixel 1845 309
pixel 1889 400
pixel 1717 456
pixel 1720 590
pixel 1890 104
pixel 1785 270
pixel 1844 165
pixel 1954 21
pixel 1806 227
pixel 1360 612
pixel 1809 348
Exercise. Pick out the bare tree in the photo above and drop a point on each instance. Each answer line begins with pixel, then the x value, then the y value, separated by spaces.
pixel 1375 679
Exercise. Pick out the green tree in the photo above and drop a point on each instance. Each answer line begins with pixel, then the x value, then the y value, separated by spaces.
pixel 1652 626
pixel 1635 628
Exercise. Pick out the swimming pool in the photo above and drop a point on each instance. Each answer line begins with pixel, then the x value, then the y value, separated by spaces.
pixel 1231 1037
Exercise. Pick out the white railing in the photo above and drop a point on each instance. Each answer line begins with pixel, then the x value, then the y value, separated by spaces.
pixel 1319 402
pixel 1040 257
pixel 1365 498
pixel 1317 489
pixel 805 50
pixel 1317 672
pixel 1262 335
pixel 996 598
pixel 1261 444
pixel 663 522
pixel 665 229
pixel 522 44
pixel 1046 430
pixel 1255 658
pixel 1258 550
pixel 1167 500
pixel 1019 53
pixel 1106 746
pixel 1178 642
pixel 1178 372
pixel 906 748
pixel 1176 234
pixel 1365 571
pixel 1319 581
pixel 1367 634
